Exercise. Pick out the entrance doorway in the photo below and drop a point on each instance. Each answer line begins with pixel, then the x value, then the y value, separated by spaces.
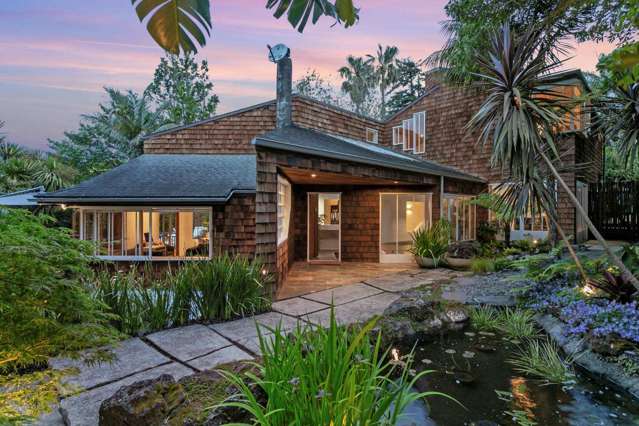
pixel 400 215
pixel 324 227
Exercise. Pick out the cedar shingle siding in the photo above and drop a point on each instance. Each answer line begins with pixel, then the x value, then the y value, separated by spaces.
pixel 249 224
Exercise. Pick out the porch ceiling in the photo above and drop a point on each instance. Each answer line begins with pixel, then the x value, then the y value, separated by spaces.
pixel 311 177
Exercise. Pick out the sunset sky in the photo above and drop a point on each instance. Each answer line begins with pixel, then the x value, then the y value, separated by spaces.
pixel 56 55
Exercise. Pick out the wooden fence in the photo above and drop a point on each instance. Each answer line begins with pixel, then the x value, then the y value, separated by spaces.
pixel 614 209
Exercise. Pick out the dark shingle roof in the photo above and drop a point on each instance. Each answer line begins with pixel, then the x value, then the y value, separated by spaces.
pixel 165 178
pixel 312 142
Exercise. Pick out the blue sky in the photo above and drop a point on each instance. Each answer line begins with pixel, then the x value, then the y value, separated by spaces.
pixel 57 55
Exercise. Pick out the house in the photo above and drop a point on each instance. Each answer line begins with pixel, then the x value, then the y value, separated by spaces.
pixel 294 179
pixel 23 198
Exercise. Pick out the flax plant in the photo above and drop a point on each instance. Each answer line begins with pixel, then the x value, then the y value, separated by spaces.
pixel 333 376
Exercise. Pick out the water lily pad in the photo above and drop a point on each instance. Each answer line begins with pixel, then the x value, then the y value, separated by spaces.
pixel 468 354
pixel 427 361
pixel 470 334
pixel 450 351
pixel 486 333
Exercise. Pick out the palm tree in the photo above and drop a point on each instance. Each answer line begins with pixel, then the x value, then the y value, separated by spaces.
pixel 176 25
pixel 386 72
pixel 620 120
pixel 521 111
pixel 358 82
pixel 53 174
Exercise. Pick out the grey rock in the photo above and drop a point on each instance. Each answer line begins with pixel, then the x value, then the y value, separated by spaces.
pixel 144 403
pixel 83 409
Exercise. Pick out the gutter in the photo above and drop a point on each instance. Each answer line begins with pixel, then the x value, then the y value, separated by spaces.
pixel 142 200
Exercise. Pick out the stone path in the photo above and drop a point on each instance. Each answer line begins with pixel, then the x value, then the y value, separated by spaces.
pixel 185 350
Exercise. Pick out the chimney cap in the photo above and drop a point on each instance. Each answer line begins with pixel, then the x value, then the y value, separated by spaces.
pixel 278 52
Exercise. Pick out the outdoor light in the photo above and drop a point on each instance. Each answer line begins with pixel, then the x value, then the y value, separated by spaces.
pixel 264 271
pixel 588 290
pixel 63 206
pixel 535 242
pixel 313 175
pixel 395 181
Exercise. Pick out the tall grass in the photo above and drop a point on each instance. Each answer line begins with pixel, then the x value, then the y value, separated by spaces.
pixel 219 289
pixel 482 265
pixel 318 376
pixel 432 242
pixel 543 359
pixel 517 323
pixel 484 318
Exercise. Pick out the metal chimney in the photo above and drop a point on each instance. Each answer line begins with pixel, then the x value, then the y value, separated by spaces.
pixel 281 55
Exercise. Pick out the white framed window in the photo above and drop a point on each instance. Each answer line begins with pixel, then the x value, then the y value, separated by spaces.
pixel 409 134
pixel 419 126
pixel 283 209
pixel 372 135
pixel 147 233
pixel 462 215
pixel 398 135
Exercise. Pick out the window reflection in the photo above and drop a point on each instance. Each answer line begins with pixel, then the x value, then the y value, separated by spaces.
pixel 149 233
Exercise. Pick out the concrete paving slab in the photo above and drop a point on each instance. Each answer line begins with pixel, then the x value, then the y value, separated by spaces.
pixel 132 356
pixel 252 344
pixel 185 343
pixel 298 306
pixel 223 356
pixel 341 295
pixel 400 282
pixel 83 409
pixel 353 312
pixel 246 327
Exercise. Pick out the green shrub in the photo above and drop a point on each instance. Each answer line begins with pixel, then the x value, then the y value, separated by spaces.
pixel 432 242
pixel 517 323
pixel 502 264
pixel 482 265
pixel 525 245
pixel 512 251
pixel 332 376
pixel 486 232
pixel 226 287
pixel 484 318
pixel 45 307
pixel 214 290
pixel 543 360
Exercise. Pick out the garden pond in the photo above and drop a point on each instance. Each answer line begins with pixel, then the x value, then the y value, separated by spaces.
pixel 473 368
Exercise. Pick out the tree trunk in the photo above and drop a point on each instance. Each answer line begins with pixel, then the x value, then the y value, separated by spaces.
pixel 571 250
pixel 626 274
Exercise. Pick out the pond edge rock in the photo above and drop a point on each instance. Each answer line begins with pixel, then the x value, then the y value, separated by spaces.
pixel 586 358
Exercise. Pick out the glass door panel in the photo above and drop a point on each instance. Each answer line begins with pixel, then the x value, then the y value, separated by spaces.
pixel 324 227
pixel 400 216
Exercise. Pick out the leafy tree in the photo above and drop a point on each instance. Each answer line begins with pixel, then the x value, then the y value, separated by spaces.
pixel 411 84
pixel 385 72
pixel 359 81
pixel 176 24
pixel 109 137
pixel 45 309
pixel 315 86
pixel 471 23
pixel 521 111
pixel 182 90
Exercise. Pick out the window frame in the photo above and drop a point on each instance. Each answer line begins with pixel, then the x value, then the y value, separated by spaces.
pixel 374 132
pixel 398 136
pixel 140 211
pixel 408 134
pixel 451 200
pixel 419 132
pixel 284 195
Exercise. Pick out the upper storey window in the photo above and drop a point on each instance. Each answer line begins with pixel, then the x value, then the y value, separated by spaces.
pixel 372 135
pixel 412 133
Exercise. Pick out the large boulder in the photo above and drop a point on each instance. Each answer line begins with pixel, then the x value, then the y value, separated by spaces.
pixel 415 317
pixel 144 403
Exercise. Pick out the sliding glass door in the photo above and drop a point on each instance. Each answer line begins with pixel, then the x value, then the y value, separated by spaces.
pixel 400 215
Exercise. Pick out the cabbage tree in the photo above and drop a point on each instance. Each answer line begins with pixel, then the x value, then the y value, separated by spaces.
pixel 522 110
